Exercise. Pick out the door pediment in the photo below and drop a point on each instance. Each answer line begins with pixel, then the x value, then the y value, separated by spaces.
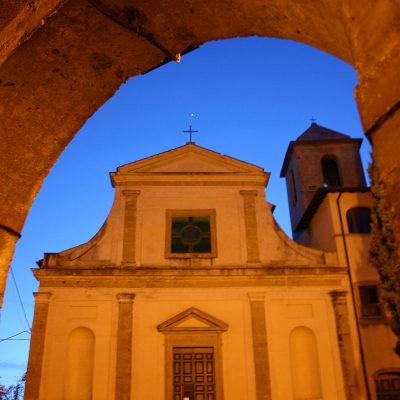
pixel 192 320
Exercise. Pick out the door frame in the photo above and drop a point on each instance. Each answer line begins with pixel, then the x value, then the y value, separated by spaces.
pixel 207 335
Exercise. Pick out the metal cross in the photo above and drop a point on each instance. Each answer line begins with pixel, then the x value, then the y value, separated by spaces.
pixel 190 131
pixel 313 119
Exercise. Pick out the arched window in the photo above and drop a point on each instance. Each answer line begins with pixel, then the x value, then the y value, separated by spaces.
pixel 79 360
pixel 330 172
pixel 387 385
pixel 306 374
pixel 293 188
pixel 359 220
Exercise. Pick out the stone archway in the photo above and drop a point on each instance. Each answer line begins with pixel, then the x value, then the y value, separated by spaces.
pixel 61 60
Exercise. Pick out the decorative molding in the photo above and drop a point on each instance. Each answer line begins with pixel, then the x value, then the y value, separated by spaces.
pixel 127 192
pixel 338 296
pixel 253 193
pixel 165 277
pixel 174 281
pixel 126 297
pixel 256 296
pixel 260 271
pixel 223 164
pixel 212 324
pixel 180 181
pixel 42 297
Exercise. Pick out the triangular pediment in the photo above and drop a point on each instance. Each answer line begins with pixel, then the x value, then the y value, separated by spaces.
pixel 188 159
pixel 192 322
pixel 193 319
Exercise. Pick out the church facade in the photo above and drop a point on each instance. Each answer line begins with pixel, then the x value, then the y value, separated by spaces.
pixel 191 291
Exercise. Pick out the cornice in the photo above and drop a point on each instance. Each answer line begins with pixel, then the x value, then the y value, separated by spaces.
pixel 190 179
pixel 192 277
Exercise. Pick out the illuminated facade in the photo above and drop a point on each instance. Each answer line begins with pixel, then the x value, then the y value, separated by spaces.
pixel 191 291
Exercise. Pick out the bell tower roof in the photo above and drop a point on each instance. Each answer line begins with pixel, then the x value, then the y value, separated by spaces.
pixel 316 134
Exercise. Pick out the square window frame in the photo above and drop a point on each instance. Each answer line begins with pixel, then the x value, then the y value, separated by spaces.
pixel 369 320
pixel 190 213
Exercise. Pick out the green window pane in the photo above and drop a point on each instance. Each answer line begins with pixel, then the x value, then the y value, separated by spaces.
pixel 191 234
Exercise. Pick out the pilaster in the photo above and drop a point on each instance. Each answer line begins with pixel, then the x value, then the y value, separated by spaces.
pixel 339 302
pixel 124 346
pixel 260 346
pixel 250 221
pixel 129 240
pixel 36 351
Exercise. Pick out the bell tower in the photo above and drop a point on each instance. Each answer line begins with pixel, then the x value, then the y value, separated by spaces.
pixel 319 157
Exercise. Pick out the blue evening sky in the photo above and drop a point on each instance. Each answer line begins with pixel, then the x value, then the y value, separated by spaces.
pixel 249 98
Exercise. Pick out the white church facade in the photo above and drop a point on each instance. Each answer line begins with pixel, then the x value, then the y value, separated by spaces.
pixel 191 291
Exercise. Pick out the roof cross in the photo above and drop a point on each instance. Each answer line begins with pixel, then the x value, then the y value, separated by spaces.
pixel 190 131
pixel 313 119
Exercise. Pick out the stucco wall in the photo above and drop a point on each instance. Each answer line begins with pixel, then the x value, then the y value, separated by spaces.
pixel 284 310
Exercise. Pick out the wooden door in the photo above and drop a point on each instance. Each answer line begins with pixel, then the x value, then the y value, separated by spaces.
pixel 193 373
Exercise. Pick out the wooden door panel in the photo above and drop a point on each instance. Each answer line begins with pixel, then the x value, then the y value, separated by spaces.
pixel 193 373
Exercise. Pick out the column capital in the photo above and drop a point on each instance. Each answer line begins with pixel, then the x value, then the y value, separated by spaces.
pixel 127 192
pixel 256 296
pixel 126 297
pixel 249 192
pixel 42 297
pixel 338 294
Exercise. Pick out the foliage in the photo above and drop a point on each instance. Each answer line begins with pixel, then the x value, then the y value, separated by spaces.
pixel 383 251
pixel 13 392
pixel 5 392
